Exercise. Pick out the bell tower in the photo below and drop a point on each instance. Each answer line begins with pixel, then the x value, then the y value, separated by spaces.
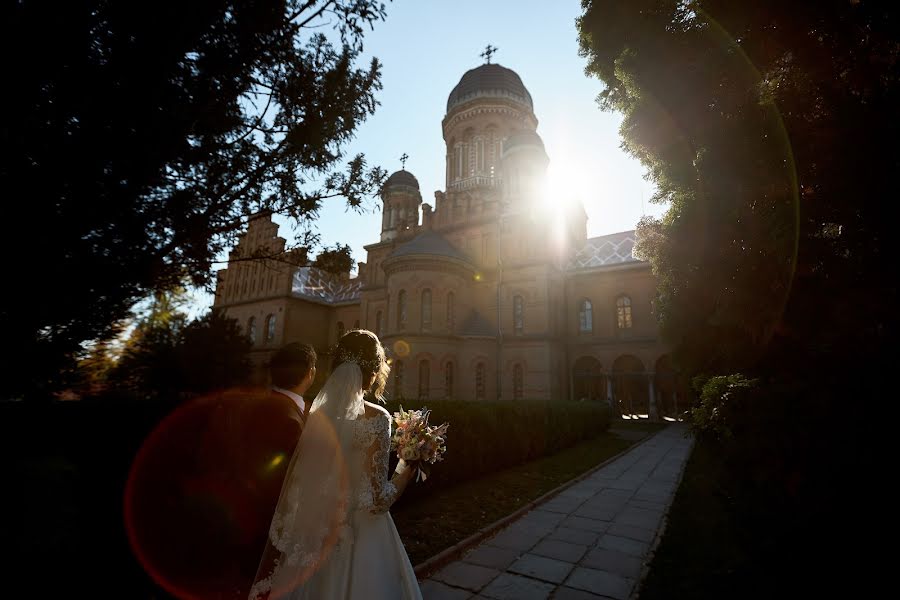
pixel 400 199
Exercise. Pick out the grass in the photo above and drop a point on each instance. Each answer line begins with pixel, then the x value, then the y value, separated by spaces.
pixel 431 524
pixel 699 556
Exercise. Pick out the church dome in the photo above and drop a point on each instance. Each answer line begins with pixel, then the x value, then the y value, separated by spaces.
pixel 403 177
pixel 489 80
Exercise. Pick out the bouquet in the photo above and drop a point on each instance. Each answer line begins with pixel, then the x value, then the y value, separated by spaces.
pixel 414 440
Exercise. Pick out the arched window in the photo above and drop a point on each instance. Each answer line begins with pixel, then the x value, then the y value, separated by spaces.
pixel 424 379
pixel 270 329
pixel 585 317
pixel 518 315
pixel 426 310
pixel 479 381
pixel 518 382
pixel 451 316
pixel 448 380
pixel 340 327
pixel 378 324
pixel 401 310
pixel 479 155
pixel 251 329
pixel 398 379
pixel 623 312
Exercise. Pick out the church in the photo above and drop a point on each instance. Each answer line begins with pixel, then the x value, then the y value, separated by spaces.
pixel 479 295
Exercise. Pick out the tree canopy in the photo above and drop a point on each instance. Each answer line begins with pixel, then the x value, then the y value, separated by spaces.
pixel 139 139
pixel 770 128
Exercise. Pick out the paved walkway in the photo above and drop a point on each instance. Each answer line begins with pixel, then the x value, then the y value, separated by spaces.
pixel 590 541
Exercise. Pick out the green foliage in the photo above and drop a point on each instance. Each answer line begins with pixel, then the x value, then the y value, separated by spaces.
pixel 488 436
pixel 172 358
pixel 143 138
pixel 770 129
pixel 755 121
pixel 337 259
pixel 720 399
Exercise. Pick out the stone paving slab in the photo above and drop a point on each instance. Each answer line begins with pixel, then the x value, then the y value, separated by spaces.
pixel 589 541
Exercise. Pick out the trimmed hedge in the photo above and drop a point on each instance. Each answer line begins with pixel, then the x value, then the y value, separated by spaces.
pixel 485 437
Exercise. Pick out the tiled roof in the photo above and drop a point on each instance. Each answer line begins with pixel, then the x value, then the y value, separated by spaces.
pixel 320 286
pixel 605 250
pixel 429 243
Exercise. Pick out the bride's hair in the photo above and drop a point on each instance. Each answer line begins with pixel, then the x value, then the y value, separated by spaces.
pixel 362 347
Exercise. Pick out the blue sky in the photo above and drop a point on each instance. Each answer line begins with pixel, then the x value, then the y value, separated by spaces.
pixel 425 46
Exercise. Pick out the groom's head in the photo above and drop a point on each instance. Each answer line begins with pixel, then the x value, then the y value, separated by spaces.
pixel 293 367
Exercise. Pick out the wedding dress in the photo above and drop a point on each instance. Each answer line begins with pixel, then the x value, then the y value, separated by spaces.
pixel 332 536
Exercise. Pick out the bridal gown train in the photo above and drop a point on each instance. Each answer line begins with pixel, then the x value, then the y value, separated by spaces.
pixel 368 561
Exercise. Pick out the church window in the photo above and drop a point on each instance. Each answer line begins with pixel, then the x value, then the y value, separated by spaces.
pixel 398 379
pixel 451 316
pixel 518 315
pixel 448 380
pixel 479 381
pixel 623 312
pixel 401 310
pixel 270 329
pixel 518 382
pixel 459 161
pixel 424 379
pixel 585 317
pixel 340 329
pixel 251 329
pixel 426 310
pixel 479 155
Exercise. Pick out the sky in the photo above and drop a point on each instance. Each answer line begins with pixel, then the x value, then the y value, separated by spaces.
pixel 425 46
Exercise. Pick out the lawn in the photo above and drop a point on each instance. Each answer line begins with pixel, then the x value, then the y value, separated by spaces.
pixel 431 524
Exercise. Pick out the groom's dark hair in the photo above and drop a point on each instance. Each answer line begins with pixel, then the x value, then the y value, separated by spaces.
pixel 291 364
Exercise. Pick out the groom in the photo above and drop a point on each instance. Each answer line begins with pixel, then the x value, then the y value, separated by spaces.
pixel 271 424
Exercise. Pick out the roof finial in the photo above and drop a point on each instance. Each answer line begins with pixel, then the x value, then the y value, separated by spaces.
pixel 489 51
pixel 403 160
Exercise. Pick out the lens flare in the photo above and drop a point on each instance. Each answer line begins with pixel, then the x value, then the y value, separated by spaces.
pixel 201 493
pixel 401 348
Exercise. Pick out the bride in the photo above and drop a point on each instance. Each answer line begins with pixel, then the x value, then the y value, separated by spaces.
pixel 331 535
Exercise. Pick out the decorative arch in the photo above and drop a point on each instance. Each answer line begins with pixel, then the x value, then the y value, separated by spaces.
pixel 518 381
pixel 585 316
pixel 251 329
pixel 448 369
pixel 630 386
pixel 624 321
pixel 424 378
pixel 270 328
pixel 480 380
pixel 665 384
pixel 588 380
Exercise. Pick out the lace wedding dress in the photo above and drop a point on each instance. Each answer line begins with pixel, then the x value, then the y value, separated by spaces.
pixel 332 536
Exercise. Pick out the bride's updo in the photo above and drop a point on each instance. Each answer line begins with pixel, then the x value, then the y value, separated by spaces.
pixel 362 347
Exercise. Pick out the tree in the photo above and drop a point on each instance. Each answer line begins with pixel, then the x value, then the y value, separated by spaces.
pixel 168 356
pixel 139 140
pixel 770 128
pixel 335 259
pixel 755 122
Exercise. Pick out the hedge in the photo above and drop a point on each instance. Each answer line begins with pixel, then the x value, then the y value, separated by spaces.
pixel 485 437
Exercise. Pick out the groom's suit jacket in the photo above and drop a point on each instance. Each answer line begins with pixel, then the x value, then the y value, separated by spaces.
pixel 259 432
